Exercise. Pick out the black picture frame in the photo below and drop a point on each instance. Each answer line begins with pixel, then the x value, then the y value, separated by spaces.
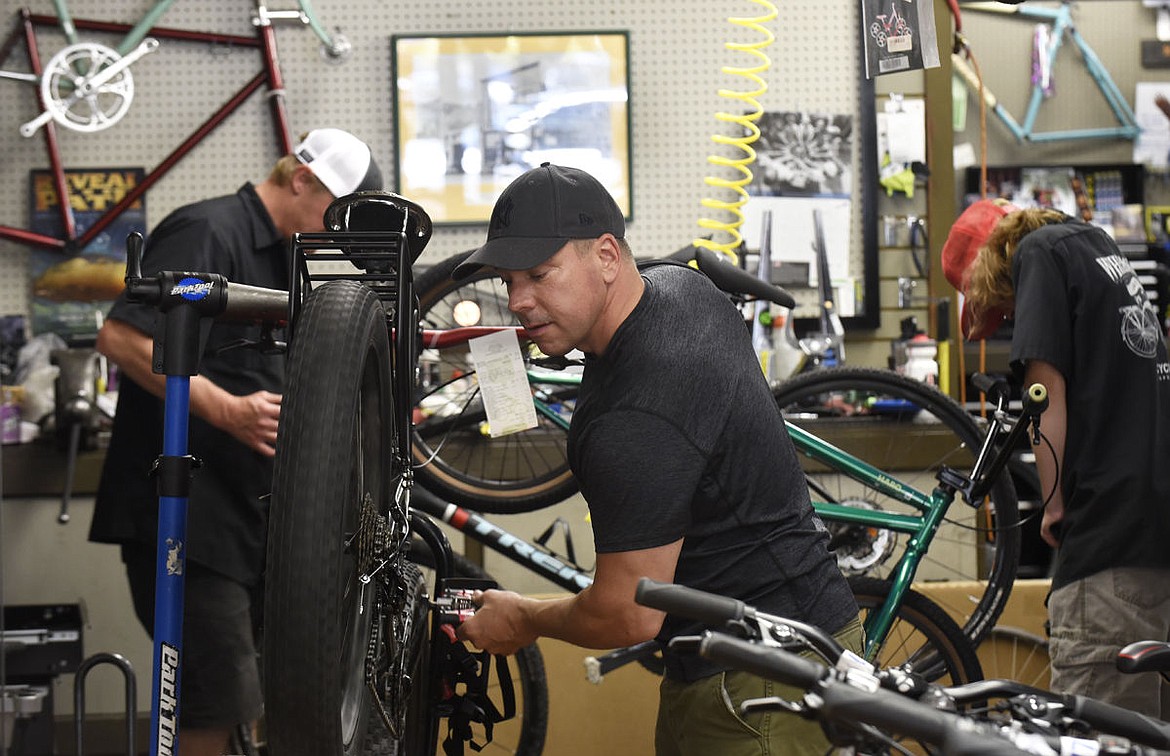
pixel 473 111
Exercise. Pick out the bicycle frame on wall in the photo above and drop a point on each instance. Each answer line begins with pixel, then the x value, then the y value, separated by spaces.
pixel 269 77
pixel 1061 25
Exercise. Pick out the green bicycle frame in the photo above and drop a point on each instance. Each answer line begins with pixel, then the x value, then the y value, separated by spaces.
pixel 921 529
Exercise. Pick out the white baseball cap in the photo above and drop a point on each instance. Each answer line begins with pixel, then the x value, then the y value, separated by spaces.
pixel 342 162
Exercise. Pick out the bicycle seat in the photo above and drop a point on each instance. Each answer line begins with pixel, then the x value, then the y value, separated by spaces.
pixel 1144 656
pixel 381 211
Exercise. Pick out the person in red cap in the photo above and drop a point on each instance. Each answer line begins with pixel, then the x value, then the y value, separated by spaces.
pixel 1082 325
pixel 682 457
pixel 235 406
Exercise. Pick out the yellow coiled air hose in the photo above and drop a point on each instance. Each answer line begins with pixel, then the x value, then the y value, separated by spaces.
pixel 742 154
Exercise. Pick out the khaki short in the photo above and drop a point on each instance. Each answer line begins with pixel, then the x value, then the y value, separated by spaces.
pixel 1094 618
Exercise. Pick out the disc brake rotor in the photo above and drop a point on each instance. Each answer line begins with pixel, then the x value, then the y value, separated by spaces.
pixel 861 548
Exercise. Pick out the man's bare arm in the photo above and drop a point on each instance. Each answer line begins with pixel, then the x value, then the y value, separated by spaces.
pixel 1054 425
pixel 604 615
pixel 251 419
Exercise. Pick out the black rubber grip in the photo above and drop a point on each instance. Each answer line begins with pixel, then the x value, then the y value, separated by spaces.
pixel 994 388
pixel 1115 720
pixel 686 602
pixel 766 661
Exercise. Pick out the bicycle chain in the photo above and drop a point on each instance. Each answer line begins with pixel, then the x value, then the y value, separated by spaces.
pixel 373 546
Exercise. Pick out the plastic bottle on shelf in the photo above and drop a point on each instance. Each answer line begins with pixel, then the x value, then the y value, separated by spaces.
pixel 921 351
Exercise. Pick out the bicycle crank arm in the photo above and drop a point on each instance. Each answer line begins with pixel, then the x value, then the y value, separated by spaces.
pixel 87 87
pixel 31 78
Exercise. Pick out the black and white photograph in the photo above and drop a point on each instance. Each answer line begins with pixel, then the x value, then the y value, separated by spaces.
pixel 803 154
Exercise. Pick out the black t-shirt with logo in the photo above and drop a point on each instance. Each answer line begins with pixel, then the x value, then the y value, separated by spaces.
pixel 676 435
pixel 227 508
pixel 1081 307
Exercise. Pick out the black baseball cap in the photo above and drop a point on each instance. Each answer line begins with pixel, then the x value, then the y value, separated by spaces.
pixel 541 211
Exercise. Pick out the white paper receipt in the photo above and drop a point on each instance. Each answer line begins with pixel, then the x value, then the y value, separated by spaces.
pixel 503 383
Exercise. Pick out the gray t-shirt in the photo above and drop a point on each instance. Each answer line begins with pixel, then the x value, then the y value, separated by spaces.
pixel 676 435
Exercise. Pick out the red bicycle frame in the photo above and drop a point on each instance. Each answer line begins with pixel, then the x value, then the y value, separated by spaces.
pixel 270 76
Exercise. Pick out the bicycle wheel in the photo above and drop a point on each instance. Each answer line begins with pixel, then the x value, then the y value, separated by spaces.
pixel 923 638
pixel 454 456
pixel 1010 653
pixel 909 430
pixel 332 516
pixel 524 734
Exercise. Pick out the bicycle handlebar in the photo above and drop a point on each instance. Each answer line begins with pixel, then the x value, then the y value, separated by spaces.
pixel 690 603
pixel 720 611
pixel 849 700
pixel 840 701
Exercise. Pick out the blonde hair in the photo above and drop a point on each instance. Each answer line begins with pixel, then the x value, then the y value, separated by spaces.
pixel 284 169
pixel 989 280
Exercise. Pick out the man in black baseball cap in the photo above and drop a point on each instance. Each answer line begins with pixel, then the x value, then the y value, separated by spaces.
pixel 681 455
pixel 540 212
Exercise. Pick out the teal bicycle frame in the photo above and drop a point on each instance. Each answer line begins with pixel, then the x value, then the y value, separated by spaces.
pixel 1062 24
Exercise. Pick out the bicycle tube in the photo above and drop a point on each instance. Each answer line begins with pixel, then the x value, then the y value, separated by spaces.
pixel 454 456
pixel 907 430
pixel 334 489
pixel 524 735
pixel 923 639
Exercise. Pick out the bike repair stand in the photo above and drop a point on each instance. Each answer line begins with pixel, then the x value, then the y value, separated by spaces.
pixel 183 300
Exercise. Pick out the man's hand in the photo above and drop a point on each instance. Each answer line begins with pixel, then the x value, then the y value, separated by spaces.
pixel 1050 523
pixel 253 421
pixel 498 625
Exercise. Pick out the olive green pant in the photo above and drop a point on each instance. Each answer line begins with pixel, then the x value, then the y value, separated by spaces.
pixel 702 718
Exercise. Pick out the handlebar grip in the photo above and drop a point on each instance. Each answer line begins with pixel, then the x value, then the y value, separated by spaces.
pixel 766 661
pixel 995 388
pixel 1115 720
pixel 687 602
pixel 1036 399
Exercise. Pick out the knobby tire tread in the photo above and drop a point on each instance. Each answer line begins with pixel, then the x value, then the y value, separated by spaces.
pixel 341 326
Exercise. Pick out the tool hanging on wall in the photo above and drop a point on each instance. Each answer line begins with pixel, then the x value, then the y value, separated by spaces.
pixel 736 159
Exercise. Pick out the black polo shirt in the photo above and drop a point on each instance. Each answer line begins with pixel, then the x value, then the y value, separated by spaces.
pixel 228 505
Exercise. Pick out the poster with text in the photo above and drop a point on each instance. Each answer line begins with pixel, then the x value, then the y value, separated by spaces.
pixel 72 292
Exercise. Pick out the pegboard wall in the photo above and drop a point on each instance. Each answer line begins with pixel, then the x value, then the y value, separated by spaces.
pixel 677 55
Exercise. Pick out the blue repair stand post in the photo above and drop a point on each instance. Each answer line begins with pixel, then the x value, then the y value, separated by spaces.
pixel 183 301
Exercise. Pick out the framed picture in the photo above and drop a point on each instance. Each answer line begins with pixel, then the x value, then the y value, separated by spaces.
pixel 473 112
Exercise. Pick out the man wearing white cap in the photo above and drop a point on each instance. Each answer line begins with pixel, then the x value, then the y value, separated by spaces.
pixel 235 406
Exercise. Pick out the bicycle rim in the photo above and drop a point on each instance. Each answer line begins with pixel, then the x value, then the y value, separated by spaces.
pixel 454 455
pixel 524 734
pixel 909 430
pixel 923 639
pixel 1009 653
pixel 334 473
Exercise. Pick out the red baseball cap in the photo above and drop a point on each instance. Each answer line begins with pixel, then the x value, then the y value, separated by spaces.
pixel 967 235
